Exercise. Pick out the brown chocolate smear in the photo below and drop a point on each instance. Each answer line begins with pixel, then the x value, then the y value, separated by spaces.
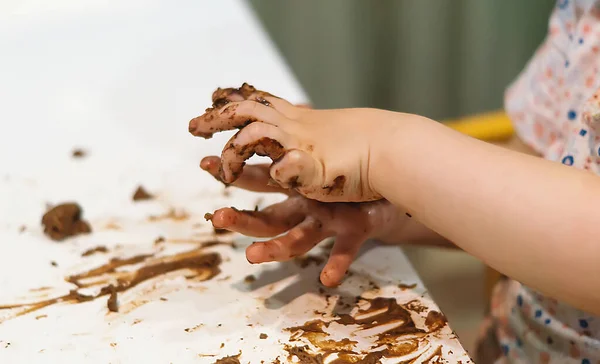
pixel 305 261
pixel 141 194
pixel 64 221
pixel 435 320
pixel 397 333
pixel 205 265
pixel 229 360
pixel 303 354
pixel 262 147
pixel 263 336
pixel 172 214
pixel 249 278
pixel 416 306
pixel 337 185
pixel 94 250
pixel 403 286
pixel 78 153
pixel 160 239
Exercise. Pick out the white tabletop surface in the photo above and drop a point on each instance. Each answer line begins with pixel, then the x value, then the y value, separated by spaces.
pixel 121 79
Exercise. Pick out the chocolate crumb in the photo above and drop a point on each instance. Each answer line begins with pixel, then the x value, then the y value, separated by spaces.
pixel 435 320
pixel 41 317
pixel 403 286
pixel 53 263
pixel 163 299
pixel 263 336
pixel 222 346
pixel 208 216
pixel 229 360
pixel 141 194
pixel 98 249
pixel 409 215
pixel 78 153
pixel 112 303
pixel 160 239
pixel 22 229
pixel 250 278
pixel 64 221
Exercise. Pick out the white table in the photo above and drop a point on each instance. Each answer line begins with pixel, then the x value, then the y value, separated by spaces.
pixel 121 79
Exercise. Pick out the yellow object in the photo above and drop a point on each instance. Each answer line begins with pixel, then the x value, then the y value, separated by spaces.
pixel 490 126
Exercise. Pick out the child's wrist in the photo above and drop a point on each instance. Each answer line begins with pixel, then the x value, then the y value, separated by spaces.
pixel 393 143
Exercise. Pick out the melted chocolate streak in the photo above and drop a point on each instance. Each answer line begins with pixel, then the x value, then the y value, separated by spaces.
pixel 399 340
pixel 204 264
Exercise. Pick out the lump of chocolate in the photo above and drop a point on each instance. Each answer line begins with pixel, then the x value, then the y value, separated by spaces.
pixel 78 153
pixel 141 194
pixel 63 221
pixel 229 360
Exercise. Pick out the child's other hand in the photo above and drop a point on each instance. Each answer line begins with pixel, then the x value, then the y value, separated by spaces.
pixel 303 222
pixel 322 154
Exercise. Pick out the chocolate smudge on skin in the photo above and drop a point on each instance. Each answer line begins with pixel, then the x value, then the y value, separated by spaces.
pixel 63 221
pixel 337 185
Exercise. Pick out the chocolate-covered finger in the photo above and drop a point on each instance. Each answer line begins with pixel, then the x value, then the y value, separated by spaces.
pixel 257 138
pixel 295 242
pixel 342 255
pixel 234 115
pixel 294 169
pixel 255 177
pixel 251 223
pixel 223 96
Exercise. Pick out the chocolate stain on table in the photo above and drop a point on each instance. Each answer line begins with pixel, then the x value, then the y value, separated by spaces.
pixel 141 194
pixel 63 221
pixel 391 324
pixel 94 250
pixel 78 153
pixel 229 360
pixel 306 260
pixel 204 265
pixel 172 214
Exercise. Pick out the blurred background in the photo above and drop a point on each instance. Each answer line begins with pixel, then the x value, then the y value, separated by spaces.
pixel 441 59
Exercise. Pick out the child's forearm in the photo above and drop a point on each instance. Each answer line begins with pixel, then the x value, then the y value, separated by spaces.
pixel 524 216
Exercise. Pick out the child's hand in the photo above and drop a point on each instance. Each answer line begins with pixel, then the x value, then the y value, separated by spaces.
pixel 305 223
pixel 308 157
